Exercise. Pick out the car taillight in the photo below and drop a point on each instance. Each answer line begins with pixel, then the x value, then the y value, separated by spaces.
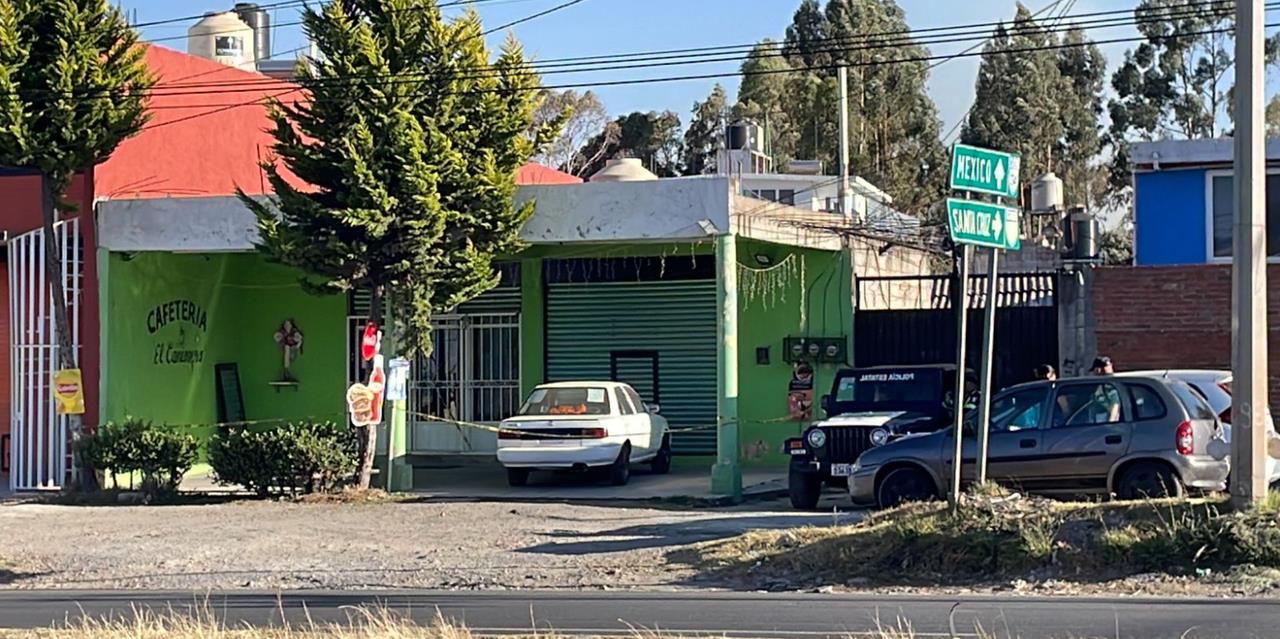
pixel 595 433
pixel 508 434
pixel 1186 439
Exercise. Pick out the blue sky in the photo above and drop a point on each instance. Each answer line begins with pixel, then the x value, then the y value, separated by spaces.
pixel 612 26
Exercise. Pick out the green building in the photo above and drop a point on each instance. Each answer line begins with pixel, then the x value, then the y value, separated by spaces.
pixel 699 297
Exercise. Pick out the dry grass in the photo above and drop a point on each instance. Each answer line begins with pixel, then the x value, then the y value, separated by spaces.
pixel 996 537
pixel 363 623
pixel 350 496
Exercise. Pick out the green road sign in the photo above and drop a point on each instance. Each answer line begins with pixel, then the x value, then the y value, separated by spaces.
pixel 984 171
pixel 984 224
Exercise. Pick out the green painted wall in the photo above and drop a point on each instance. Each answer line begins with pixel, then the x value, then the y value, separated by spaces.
pixel 532 325
pixel 769 310
pixel 173 317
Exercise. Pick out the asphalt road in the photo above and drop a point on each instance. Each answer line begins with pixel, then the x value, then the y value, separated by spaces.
pixel 750 615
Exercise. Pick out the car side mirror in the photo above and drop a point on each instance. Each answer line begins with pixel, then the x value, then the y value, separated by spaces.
pixel 826 404
pixel 653 409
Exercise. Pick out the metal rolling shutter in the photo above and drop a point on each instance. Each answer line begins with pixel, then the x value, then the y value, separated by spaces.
pixel 587 322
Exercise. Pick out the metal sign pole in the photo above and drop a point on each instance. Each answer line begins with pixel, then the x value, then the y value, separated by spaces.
pixel 962 325
pixel 988 352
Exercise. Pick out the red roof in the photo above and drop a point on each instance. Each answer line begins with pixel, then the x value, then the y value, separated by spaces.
pixel 203 143
pixel 198 143
pixel 531 174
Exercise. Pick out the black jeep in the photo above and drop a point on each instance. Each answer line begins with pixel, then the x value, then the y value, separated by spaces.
pixel 868 407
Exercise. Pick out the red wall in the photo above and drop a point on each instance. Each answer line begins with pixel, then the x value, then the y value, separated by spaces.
pixel 1176 317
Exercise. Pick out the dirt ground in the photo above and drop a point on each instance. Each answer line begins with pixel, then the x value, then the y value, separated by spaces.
pixel 452 545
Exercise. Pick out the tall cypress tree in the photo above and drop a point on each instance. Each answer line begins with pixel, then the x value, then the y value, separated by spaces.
pixel 408 139
pixel 75 82
pixel 702 140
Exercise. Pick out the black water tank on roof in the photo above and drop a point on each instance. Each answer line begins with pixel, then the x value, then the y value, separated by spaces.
pixel 257 18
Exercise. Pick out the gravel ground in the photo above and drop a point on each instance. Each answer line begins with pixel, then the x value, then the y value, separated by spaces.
pixel 475 545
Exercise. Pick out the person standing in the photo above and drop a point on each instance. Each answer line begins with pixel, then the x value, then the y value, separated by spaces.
pixel 1045 372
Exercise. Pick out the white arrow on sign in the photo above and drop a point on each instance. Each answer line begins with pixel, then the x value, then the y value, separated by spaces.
pixel 997 225
pixel 1000 174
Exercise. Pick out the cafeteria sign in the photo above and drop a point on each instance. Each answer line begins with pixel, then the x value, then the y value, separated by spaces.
pixel 68 391
pixel 190 321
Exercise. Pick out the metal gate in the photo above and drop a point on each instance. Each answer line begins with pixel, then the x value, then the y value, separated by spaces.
pixel 925 331
pixel 40 439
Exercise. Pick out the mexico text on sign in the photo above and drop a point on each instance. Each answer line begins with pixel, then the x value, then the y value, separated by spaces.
pixel 985 171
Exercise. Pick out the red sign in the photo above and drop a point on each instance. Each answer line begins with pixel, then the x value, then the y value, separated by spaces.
pixel 369 343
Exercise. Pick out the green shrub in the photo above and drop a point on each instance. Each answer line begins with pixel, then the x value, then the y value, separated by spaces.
pixel 159 454
pixel 302 457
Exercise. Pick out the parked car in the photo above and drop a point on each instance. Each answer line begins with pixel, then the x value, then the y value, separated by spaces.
pixel 584 426
pixel 1132 436
pixel 867 407
pixel 1215 387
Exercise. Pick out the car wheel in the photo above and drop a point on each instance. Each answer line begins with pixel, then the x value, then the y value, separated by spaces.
pixel 804 489
pixel 517 476
pixel 904 485
pixel 1148 480
pixel 620 471
pixel 661 463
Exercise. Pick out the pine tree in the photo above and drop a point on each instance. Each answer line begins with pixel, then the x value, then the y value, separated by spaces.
pixel 75 81
pixel 705 135
pixel 1083 69
pixel 409 162
pixel 806 42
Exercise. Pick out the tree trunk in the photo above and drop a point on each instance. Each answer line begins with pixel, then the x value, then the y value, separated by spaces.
pixel 369 434
pixel 83 475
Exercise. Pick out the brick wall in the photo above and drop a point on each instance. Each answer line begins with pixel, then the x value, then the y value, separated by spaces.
pixel 1176 317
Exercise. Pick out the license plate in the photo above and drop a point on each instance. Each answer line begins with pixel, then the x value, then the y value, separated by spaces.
pixel 841 470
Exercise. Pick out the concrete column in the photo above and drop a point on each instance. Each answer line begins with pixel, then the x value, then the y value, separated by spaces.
pixel 726 475
pixel 1249 263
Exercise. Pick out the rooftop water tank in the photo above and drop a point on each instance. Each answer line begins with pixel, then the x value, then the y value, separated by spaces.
pixel 260 21
pixel 222 37
pixel 1046 193
pixel 623 170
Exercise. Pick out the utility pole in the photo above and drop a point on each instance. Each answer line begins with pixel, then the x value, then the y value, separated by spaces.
pixel 846 198
pixel 1249 266
pixel 962 323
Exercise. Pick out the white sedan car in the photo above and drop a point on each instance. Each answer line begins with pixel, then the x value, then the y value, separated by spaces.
pixel 581 426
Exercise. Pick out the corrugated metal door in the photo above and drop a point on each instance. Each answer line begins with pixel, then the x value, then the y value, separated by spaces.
pixel 598 329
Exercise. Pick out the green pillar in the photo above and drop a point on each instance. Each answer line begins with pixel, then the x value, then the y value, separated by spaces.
pixel 532 311
pixel 726 475
pixel 399 472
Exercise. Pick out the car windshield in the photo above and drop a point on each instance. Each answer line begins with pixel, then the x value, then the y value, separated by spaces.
pixel 568 400
pixel 859 391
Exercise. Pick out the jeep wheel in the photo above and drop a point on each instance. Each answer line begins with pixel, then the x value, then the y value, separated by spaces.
pixel 620 470
pixel 903 485
pixel 1148 480
pixel 805 489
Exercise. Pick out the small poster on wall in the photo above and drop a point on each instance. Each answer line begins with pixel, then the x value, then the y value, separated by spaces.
pixel 68 391
pixel 800 392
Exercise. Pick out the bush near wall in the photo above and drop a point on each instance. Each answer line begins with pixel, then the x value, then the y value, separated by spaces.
pixel 161 455
pixel 301 457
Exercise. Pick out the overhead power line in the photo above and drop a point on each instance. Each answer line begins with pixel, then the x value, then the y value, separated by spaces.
pixel 641 81
pixel 263 84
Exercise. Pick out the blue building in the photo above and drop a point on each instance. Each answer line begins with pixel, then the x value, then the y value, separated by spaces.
pixel 1183 192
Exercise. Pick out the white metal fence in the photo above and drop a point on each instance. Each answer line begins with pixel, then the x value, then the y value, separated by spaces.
pixel 39 443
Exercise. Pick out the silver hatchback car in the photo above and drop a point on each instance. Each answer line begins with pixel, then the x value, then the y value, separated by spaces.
pixel 1129 436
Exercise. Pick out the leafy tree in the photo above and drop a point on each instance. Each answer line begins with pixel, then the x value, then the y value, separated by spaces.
pixel 895 127
pixel 409 163
pixel 1273 116
pixel 653 138
pixel 1040 102
pixel 764 98
pixel 1176 83
pixel 75 80
pixel 1116 244
pixel 705 135
pixel 584 116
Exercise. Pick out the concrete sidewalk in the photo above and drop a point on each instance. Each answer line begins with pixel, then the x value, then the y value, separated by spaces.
pixel 449 478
